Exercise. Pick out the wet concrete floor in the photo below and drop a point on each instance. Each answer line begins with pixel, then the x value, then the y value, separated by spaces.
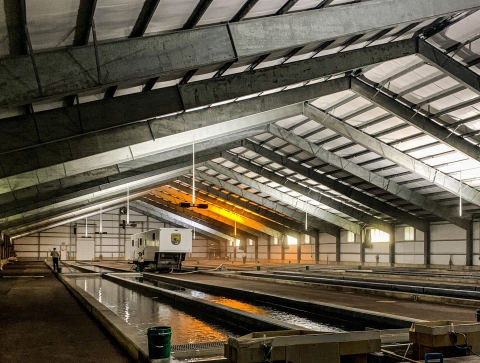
pixel 387 305
pixel 42 322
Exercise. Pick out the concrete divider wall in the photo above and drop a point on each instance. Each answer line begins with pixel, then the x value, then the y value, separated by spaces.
pixel 127 336
pixel 207 310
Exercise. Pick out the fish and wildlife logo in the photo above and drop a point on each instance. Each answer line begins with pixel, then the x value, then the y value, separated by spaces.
pixel 176 238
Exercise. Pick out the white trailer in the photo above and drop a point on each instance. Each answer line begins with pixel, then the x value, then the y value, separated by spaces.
pixel 162 248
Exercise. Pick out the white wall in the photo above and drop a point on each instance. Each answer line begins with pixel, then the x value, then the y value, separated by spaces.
pixel 262 249
pixel 110 245
pixel 409 252
pixel 327 248
pixel 349 251
pixel 476 243
pixel 447 240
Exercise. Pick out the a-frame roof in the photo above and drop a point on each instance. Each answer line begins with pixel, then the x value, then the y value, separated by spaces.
pixel 359 114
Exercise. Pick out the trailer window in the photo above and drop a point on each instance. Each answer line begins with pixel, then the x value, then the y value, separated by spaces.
pixel 133 243
pixel 140 241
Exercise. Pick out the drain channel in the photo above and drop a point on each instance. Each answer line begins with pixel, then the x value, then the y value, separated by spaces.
pixel 197 346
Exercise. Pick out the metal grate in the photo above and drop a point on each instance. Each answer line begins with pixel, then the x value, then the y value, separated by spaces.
pixel 197 346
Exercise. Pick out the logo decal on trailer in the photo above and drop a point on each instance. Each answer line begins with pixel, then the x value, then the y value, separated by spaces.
pixel 176 238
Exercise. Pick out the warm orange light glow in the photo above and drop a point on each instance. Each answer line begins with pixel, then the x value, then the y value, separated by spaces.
pixel 238 305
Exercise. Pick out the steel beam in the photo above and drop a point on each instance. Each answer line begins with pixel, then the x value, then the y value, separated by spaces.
pixel 415 119
pixel 224 224
pixel 433 175
pixel 146 14
pixel 287 199
pixel 235 208
pixel 237 85
pixel 259 36
pixel 102 195
pixel 398 190
pixel 234 116
pixel 437 58
pixel 47 126
pixel 149 210
pixel 62 72
pixel 245 9
pixel 193 217
pixel 253 208
pixel 135 141
pixel 15 21
pixel 427 247
pixel 197 14
pixel 268 204
pixel 217 213
pixel 341 188
pixel 310 193
pixel 74 188
pixel 26 224
pixel 86 10
pixel 61 223
pixel 469 245
pixel 67 71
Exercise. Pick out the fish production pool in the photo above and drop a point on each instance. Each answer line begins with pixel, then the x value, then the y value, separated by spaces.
pixel 143 311
pixel 297 318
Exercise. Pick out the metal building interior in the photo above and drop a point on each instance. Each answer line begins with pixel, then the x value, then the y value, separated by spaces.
pixel 351 126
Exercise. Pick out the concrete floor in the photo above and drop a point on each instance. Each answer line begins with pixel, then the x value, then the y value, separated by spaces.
pixel 42 322
pixel 411 309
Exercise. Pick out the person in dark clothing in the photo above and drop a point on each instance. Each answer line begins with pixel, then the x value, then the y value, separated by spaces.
pixel 55 255
pixel 141 261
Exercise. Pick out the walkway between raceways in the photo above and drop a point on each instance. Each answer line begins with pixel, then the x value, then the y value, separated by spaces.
pixel 42 322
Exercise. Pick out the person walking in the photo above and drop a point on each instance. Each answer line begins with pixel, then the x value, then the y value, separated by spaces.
pixel 55 255
pixel 244 256
pixel 141 261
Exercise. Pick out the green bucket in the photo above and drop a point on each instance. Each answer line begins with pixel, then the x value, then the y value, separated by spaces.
pixel 359 267
pixel 195 268
pixel 159 338
pixel 59 270
pixel 307 268
pixel 258 268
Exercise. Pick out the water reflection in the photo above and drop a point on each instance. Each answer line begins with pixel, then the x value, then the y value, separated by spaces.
pixel 142 312
pixel 274 313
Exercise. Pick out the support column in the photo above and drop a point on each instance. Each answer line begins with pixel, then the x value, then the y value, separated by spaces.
pixel 469 251
pixel 337 246
pixel 299 247
pixel 269 247
pixel 256 249
pixel 391 247
pixel 426 246
pixel 283 243
pixel 119 234
pixel 363 240
pixel 38 236
pixel 317 247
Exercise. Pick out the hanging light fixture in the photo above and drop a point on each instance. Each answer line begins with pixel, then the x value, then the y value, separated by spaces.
pixel 460 194
pixel 128 223
pixel 193 205
pixel 101 224
pixel 86 228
